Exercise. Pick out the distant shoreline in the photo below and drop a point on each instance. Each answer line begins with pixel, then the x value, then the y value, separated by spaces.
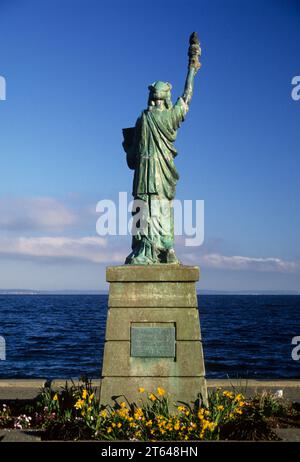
pixel 103 292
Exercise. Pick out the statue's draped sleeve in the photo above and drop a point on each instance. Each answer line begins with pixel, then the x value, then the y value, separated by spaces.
pixel 178 113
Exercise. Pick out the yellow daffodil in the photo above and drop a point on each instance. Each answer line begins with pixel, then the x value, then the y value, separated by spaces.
pixel 138 414
pixel 55 397
pixel 79 404
pixel 141 390
pixel 84 394
pixel 161 391
pixel 152 397
pixel 181 408
pixel 211 426
pixel 123 413
pixel 201 414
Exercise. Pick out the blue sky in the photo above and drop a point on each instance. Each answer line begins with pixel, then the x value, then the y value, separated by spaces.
pixel 77 72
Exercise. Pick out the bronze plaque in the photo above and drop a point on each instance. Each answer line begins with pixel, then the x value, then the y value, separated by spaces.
pixel 153 342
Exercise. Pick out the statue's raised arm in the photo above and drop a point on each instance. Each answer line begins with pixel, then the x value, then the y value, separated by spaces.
pixel 193 67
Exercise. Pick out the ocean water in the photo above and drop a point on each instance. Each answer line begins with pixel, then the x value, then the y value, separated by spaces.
pixel 62 336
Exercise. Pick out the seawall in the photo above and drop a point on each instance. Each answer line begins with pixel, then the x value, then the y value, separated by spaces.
pixel 28 389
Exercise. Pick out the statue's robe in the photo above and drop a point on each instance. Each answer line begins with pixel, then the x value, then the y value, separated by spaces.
pixel 151 152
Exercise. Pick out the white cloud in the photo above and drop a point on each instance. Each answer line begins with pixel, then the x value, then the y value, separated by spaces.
pixel 238 262
pixel 92 249
pixel 36 213
pixel 96 249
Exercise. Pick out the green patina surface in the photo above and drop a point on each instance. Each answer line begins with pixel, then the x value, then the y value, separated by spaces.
pixel 150 153
pixel 153 342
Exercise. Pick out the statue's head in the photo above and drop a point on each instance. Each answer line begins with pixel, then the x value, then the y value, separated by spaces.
pixel 160 91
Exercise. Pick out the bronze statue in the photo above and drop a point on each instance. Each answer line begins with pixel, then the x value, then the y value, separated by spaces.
pixel 150 153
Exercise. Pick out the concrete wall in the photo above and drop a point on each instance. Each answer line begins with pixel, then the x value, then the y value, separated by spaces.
pixel 11 389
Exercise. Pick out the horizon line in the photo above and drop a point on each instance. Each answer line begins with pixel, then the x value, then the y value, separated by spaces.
pixel 105 292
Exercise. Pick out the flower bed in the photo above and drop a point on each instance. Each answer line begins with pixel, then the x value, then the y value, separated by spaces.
pixel 74 413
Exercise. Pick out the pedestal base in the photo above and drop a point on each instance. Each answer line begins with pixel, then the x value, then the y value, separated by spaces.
pixel 153 333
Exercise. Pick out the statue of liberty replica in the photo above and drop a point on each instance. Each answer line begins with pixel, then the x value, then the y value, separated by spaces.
pixel 150 153
pixel 153 336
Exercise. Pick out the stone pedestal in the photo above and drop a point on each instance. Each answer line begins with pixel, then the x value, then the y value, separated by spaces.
pixel 153 333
